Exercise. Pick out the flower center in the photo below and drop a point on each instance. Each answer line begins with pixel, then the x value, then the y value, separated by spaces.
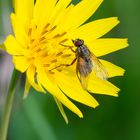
pixel 45 47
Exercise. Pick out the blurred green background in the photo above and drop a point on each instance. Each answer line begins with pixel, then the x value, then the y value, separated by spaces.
pixel 38 118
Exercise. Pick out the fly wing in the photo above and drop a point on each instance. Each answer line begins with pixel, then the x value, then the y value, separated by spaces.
pixel 83 71
pixel 98 68
pixel 86 66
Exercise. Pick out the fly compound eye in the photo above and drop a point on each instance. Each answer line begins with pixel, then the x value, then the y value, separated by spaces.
pixel 78 42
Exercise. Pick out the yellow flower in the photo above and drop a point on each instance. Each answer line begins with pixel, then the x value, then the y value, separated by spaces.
pixel 41 27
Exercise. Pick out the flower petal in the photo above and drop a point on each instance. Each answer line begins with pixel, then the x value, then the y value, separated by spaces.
pixel 40 7
pixel 112 69
pixel 53 89
pixel 24 10
pixel 19 30
pixel 12 46
pixel 60 6
pixel 73 89
pixel 60 106
pixel 96 85
pixel 102 47
pixel 31 76
pixel 81 12
pixel 26 89
pixel 21 63
pixel 95 29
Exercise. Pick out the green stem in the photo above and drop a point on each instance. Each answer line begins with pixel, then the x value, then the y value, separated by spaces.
pixel 9 104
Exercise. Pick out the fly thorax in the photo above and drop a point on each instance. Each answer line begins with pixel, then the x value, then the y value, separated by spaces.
pixel 84 52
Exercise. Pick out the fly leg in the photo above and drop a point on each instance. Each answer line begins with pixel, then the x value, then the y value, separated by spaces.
pixel 66 65
pixel 70 47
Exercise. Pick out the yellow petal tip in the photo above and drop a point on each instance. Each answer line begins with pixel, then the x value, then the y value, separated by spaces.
pixel 116 94
pixel 116 20
pixel 95 104
pixel 123 72
pixel 81 115
pixel 126 41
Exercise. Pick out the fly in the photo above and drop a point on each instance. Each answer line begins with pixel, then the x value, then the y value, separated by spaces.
pixel 86 63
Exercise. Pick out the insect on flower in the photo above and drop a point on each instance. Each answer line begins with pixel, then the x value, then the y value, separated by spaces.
pixel 39 42
pixel 86 63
